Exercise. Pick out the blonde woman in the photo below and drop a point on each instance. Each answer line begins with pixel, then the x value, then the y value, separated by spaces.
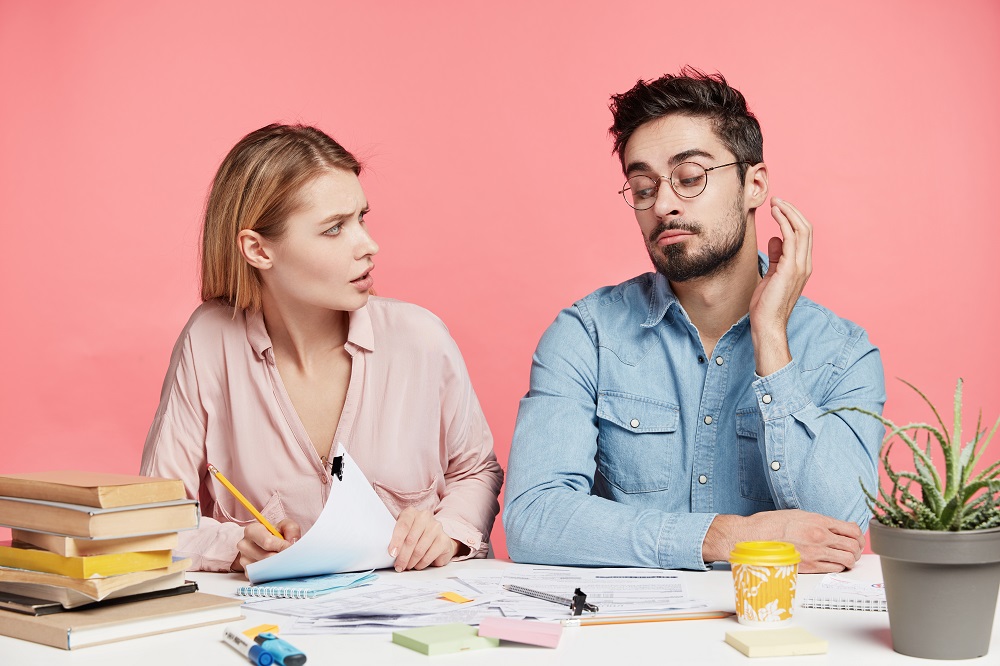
pixel 290 354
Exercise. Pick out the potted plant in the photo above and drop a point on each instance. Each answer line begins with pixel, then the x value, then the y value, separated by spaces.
pixel 937 532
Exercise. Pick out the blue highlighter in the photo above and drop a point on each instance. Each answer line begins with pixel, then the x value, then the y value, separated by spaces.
pixel 283 652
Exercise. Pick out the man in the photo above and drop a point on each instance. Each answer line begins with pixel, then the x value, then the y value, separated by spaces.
pixel 682 411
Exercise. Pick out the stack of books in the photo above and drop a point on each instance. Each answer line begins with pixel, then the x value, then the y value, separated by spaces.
pixel 91 559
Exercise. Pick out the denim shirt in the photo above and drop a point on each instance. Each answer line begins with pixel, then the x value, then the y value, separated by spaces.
pixel 631 439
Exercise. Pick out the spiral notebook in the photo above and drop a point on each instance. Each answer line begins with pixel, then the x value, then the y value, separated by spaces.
pixel 309 587
pixel 842 593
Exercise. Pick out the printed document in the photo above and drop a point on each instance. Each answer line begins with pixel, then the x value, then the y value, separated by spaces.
pixel 351 534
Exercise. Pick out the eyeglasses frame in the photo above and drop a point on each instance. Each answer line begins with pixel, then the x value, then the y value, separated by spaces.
pixel 670 180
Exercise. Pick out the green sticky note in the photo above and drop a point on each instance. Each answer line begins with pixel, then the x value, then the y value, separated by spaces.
pixel 443 638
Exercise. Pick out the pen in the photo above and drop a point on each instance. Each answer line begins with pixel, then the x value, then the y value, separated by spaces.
pixel 283 652
pixel 563 601
pixel 632 619
pixel 243 500
pixel 247 647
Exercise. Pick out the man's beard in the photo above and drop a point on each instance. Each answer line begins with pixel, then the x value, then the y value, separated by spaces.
pixel 679 265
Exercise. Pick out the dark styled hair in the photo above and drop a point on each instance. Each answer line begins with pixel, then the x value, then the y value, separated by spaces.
pixel 689 93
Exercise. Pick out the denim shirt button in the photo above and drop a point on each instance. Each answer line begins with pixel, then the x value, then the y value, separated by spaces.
pixel 702 479
pixel 708 420
pixel 776 465
pixel 719 360
pixel 634 423
pixel 766 399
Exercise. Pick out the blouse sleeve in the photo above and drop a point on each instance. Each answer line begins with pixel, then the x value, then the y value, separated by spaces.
pixel 473 476
pixel 175 448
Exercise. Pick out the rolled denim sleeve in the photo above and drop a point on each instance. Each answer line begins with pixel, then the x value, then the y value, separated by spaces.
pixel 816 463
pixel 551 515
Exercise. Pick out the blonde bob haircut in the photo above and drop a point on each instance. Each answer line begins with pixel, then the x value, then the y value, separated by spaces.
pixel 257 187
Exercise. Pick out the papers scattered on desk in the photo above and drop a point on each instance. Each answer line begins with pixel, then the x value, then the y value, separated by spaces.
pixel 839 592
pixel 401 602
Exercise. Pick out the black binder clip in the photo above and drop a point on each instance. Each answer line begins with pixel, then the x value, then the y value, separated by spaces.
pixel 337 467
pixel 580 603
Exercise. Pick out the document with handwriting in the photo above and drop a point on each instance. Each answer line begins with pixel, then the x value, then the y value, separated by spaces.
pixel 351 534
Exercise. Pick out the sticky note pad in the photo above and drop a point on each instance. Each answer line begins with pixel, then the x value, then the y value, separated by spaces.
pixel 530 632
pixel 252 632
pixel 443 638
pixel 454 597
pixel 776 642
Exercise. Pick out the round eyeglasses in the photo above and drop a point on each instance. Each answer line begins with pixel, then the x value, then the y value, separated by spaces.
pixel 687 179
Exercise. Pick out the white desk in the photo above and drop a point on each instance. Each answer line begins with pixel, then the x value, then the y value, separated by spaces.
pixel 856 637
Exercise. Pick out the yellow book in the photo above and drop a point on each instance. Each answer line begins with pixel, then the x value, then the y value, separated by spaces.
pixel 92 566
pixel 95 588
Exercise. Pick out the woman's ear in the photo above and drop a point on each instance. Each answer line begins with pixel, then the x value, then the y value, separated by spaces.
pixel 254 250
pixel 755 191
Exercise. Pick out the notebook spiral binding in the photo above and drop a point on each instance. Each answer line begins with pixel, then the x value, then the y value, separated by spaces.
pixel 275 592
pixel 845 603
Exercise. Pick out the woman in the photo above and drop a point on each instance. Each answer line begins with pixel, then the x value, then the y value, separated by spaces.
pixel 290 354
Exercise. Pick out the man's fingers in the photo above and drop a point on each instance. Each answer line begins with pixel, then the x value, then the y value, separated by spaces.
pixel 789 240
pixel 773 254
pixel 803 234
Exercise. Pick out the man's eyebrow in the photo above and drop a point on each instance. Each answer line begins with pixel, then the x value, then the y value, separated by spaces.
pixel 682 156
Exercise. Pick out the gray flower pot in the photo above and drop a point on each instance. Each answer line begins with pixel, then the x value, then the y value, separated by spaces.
pixel 941 588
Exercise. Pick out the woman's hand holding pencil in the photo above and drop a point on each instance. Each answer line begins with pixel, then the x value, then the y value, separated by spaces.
pixel 260 539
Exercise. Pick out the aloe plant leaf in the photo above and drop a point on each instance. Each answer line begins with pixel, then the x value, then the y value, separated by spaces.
pixel 930 404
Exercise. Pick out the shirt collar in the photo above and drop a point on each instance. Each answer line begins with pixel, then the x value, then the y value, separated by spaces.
pixel 359 333
pixel 661 296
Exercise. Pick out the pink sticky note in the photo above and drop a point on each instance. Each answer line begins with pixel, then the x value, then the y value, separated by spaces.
pixel 531 632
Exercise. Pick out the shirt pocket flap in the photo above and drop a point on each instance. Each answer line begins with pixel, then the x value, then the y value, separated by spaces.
pixel 748 422
pixel 637 413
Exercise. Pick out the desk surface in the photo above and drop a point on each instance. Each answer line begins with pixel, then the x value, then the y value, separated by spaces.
pixel 855 637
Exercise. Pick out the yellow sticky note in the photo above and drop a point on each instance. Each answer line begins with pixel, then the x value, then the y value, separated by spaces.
pixel 252 632
pixel 452 596
pixel 776 642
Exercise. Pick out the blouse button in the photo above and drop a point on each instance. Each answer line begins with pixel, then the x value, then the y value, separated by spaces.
pixel 325 479
pixel 634 423
pixel 766 399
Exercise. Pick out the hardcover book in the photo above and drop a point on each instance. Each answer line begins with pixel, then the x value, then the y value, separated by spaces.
pixel 71 547
pixel 91 566
pixel 96 489
pixel 77 520
pixel 95 588
pixel 68 598
pixel 107 624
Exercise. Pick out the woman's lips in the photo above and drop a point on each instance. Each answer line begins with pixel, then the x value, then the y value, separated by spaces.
pixel 365 282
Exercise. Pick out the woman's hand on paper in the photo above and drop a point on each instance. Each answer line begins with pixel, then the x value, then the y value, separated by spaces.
pixel 419 541
pixel 258 543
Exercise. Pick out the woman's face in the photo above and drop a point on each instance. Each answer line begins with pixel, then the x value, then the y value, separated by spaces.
pixel 325 257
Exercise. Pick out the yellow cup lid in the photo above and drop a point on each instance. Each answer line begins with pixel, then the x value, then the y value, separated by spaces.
pixel 768 553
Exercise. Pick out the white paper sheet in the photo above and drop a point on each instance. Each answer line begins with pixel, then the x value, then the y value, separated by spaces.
pixel 351 534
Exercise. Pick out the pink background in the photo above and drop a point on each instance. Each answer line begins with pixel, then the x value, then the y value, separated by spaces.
pixel 492 185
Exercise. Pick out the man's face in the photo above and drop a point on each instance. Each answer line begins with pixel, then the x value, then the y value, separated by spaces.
pixel 688 238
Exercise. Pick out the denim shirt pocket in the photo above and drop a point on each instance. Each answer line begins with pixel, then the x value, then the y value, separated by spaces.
pixel 273 510
pixel 638 444
pixel 749 434
pixel 397 500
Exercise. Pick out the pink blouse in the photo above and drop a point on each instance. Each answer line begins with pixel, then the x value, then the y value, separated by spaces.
pixel 411 422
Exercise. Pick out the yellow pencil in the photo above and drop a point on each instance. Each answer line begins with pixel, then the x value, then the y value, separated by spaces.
pixel 590 620
pixel 243 500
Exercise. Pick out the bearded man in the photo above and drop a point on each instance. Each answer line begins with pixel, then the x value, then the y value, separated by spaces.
pixel 682 411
